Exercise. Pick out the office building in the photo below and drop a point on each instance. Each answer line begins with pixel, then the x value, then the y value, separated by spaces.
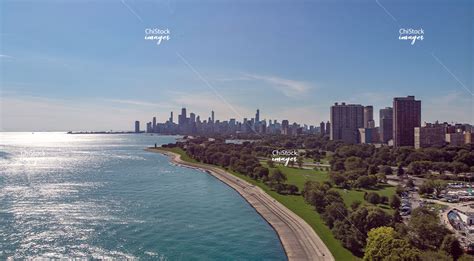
pixel 346 119
pixel 406 116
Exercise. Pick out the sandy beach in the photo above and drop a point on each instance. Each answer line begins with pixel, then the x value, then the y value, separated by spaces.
pixel 298 238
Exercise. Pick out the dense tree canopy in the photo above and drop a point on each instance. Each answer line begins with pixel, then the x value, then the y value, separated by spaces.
pixel 383 244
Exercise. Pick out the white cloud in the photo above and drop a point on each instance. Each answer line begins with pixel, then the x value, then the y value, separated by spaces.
pixel 139 103
pixel 289 88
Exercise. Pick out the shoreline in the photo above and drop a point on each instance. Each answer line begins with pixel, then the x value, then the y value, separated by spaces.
pixel 297 237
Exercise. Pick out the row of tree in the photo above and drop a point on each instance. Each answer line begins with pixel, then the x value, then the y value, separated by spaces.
pixel 239 158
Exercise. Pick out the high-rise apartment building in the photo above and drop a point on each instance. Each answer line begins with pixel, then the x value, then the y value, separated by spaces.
pixel 285 126
pixel 328 128
pixel 386 124
pixel 346 119
pixel 406 116
pixel 322 128
pixel 137 126
pixel 431 135
pixel 369 117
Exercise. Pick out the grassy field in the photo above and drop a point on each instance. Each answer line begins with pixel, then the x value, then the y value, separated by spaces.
pixel 297 204
pixel 298 177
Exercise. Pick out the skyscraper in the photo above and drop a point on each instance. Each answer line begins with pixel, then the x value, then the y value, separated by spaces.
pixel 171 117
pixel 406 116
pixel 386 124
pixel 182 117
pixel 137 126
pixel 369 117
pixel 212 116
pixel 257 116
pixel 154 123
pixel 346 121
pixel 328 128
pixel 285 125
pixel 322 128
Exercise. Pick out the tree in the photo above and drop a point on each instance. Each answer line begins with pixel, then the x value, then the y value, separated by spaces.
pixel 373 198
pixel 400 170
pixel 387 170
pixel 381 178
pixel 260 172
pixel 373 169
pixel 427 187
pixel 334 212
pixel 291 163
pixel 353 231
pixel 395 202
pixel 432 255
pixel 426 231
pixel 396 217
pixel 355 204
pixel 452 247
pixel 338 179
pixel 349 236
pixel 270 163
pixel 382 244
pixel 459 167
pixel 353 162
pixel 366 181
pixel 438 186
pixel 419 167
pixel 399 190
pixel 277 176
pixel 299 161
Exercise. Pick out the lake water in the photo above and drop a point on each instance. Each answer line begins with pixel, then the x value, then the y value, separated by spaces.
pixel 104 197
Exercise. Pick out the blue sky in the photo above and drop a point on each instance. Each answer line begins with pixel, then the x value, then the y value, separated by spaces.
pixel 84 65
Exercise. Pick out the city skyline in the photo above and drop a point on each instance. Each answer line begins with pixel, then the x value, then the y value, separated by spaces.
pixel 75 76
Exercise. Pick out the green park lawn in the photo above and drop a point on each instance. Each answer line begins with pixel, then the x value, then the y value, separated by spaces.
pixel 298 177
